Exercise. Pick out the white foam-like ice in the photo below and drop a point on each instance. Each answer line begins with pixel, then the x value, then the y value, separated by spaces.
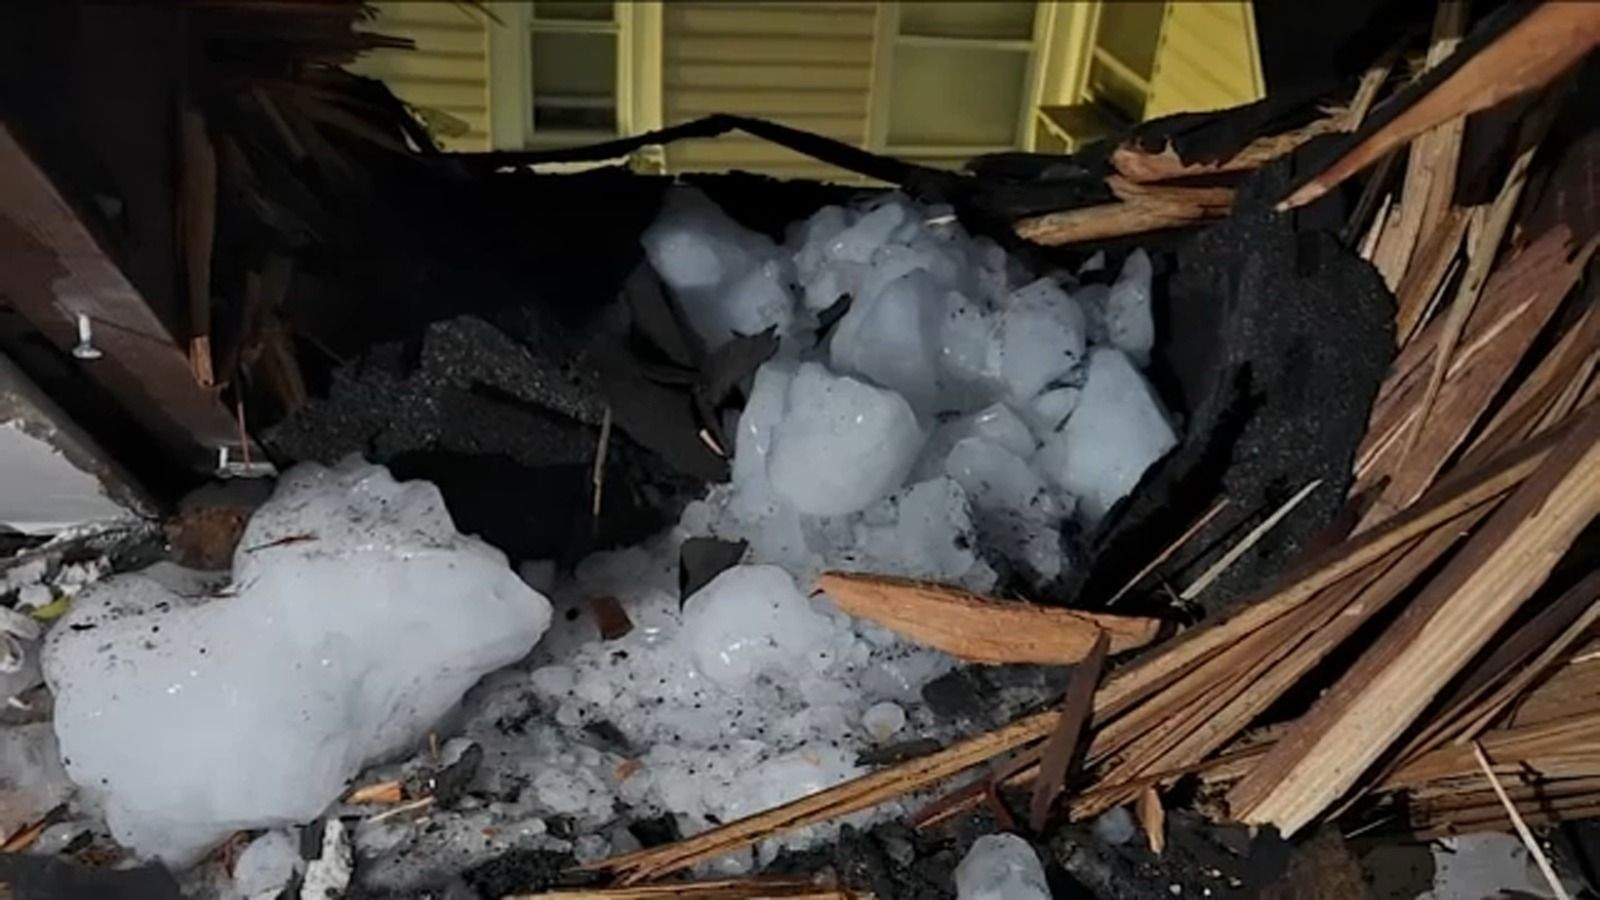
pixel 356 617
pixel 1130 323
pixel 1043 334
pixel 891 338
pixel 1001 867
pixel 728 280
pixel 841 444
pixel 947 426
pixel 1116 433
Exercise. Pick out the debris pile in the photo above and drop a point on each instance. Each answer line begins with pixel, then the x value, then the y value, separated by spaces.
pixel 739 693
pixel 1418 669
pixel 355 618
pixel 899 418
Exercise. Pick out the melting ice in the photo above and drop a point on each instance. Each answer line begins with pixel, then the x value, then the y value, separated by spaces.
pixel 946 427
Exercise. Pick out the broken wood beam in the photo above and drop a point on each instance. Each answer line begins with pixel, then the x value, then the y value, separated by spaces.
pixel 1140 209
pixel 1526 292
pixel 1533 52
pixel 1326 752
pixel 56 271
pixel 1430 167
pixel 982 629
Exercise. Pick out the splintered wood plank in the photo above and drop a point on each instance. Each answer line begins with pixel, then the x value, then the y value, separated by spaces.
pixel 1526 293
pixel 979 628
pixel 197 220
pixel 1058 756
pixel 56 270
pixel 1142 166
pixel 1530 54
pixel 1152 818
pixel 1427 273
pixel 1140 209
pixel 1431 166
pixel 1122 693
pixel 1541 398
pixel 1566 747
pixel 1483 248
pixel 1450 498
pixel 1325 753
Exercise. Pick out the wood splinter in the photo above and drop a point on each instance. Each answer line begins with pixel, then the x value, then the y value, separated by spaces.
pixel 982 629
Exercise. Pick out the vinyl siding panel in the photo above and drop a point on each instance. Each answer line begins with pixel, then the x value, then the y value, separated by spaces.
pixel 808 65
pixel 448 72
pixel 1207 58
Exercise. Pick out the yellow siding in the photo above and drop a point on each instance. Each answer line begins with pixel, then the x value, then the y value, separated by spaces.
pixel 448 72
pixel 804 64
pixel 1207 58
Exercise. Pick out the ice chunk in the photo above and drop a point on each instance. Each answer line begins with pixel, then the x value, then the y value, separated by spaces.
pixel 32 781
pixel 1115 826
pixel 841 444
pixel 356 618
pixel 1130 325
pixel 1117 432
pixel 1041 340
pixel 784 778
pixel 995 423
pixel 264 868
pixel 753 441
pixel 329 874
pixel 990 269
pixel 925 531
pixel 924 254
pixel 969 348
pixel 809 239
pixel 1001 867
pixel 1470 866
pixel 1092 299
pixel 1015 511
pixel 728 280
pixel 1047 412
pixel 883 720
pixel 751 620
pixel 892 338
pixel 858 242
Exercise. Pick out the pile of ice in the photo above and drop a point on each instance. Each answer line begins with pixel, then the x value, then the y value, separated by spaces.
pixel 949 424
pixel 955 384
pixel 355 618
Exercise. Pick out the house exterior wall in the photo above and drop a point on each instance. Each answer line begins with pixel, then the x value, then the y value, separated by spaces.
pixel 1207 58
pixel 447 73
pixel 810 64
pixel 805 64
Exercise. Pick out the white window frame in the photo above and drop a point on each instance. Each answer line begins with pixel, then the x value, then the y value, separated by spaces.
pixel 886 36
pixel 637 27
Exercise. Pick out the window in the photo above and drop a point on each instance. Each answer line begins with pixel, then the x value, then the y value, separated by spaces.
pixel 562 72
pixel 955 79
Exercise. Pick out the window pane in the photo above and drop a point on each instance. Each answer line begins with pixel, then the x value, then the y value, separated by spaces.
pixel 974 20
pixel 580 10
pixel 956 96
pixel 574 82
pixel 1130 32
